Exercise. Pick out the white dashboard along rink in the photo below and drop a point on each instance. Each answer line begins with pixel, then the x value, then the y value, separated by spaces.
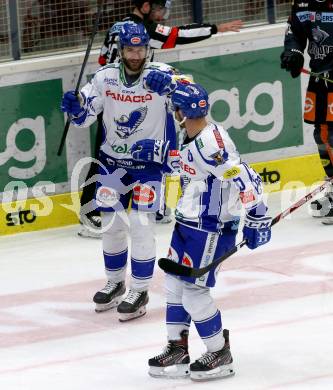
pixel 277 302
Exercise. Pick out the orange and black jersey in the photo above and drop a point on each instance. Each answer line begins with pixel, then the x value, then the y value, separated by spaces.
pixel 312 22
pixel 161 37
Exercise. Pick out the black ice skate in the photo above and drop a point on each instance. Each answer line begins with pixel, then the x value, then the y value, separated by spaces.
pixel 90 226
pixel 109 296
pixel 174 361
pixel 133 306
pixel 213 365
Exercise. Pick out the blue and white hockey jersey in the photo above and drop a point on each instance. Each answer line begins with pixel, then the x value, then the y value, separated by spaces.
pixel 215 183
pixel 130 112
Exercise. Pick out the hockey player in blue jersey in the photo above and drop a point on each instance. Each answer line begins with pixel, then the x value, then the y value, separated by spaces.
pixel 130 113
pixel 215 186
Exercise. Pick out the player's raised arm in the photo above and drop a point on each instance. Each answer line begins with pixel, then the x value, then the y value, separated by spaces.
pixel 84 107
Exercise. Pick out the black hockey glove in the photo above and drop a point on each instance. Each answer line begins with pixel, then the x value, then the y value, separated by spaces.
pixel 292 61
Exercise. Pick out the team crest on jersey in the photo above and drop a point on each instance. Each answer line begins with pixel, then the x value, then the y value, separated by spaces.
pixel 129 125
pixel 217 158
pixel 319 35
pixel 187 260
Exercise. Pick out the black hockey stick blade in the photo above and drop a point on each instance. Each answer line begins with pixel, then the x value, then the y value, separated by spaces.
pixel 170 266
pixel 100 4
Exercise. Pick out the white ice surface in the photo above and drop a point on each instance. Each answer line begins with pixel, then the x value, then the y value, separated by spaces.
pixel 277 302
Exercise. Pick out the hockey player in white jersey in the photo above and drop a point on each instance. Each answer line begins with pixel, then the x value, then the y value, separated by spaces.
pixel 216 184
pixel 130 113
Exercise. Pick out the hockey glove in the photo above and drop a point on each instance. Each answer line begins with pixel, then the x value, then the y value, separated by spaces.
pixel 292 61
pixel 71 103
pixel 150 150
pixel 257 231
pixel 159 82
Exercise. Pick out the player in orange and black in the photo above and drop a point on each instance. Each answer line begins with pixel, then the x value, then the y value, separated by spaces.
pixel 311 22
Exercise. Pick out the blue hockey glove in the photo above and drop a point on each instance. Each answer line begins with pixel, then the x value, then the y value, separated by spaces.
pixel 71 104
pixel 150 150
pixel 257 231
pixel 159 82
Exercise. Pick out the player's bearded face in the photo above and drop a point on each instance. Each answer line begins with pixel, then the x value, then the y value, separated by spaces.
pixel 134 57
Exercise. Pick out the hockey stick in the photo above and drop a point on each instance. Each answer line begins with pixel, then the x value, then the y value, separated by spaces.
pixel 100 4
pixel 172 267
pixel 318 75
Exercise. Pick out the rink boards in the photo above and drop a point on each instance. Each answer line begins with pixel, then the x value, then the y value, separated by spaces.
pixel 63 209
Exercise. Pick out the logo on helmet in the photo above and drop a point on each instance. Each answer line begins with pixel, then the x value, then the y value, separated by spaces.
pixel 135 40
pixel 202 103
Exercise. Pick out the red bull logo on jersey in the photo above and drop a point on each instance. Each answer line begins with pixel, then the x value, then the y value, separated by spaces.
pixel 119 97
pixel 144 195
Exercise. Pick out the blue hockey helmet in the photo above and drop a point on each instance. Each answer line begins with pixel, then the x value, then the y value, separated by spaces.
pixel 132 34
pixel 192 99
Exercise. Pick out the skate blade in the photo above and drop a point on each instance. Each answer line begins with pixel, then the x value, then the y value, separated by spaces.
pixel 124 317
pixel 100 307
pixel 217 373
pixel 164 220
pixel 327 221
pixel 172 372
pixel 86 233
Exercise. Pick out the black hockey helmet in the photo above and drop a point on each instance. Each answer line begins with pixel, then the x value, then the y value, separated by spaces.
pixel 163 3
pixel 159 3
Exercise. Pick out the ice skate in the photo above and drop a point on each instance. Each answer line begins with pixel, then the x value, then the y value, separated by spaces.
pixel 163 218
pixel 109 297
pixel 174 361
pixel 328 219
pixel 90 226
pixel 213 365
pixel 133 306
pixel 323 207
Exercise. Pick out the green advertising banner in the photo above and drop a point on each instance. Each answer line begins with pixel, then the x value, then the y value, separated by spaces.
pixel 31 127
pixel 258 103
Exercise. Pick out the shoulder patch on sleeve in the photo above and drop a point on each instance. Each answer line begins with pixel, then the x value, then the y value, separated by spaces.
pixel 218 139
pixel 164 30
pixel 232 172
pixel 217 157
